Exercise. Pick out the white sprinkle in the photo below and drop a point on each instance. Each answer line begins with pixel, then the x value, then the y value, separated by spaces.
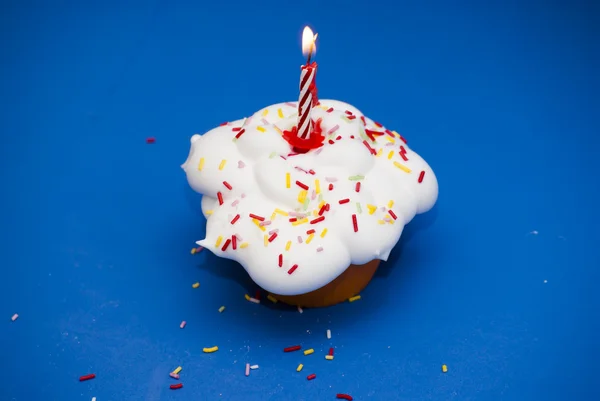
pixel 330 179
pixel 241 164
pixel 254 300
pixel 389 144
pixel 254 367
pixel 235 202
pixel 290 104
pixel 264 121
pixel 299 239
pixel 328 334
pixel 300 310
pixel 14 317
pixel 247 369
pixel 273 231
pixel 264 223
pixel 182 325
pixel 333 129
pixel 93 398
pixel 314 195
pixel 320 249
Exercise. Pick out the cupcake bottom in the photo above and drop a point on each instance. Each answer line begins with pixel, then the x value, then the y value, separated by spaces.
pixel 346 285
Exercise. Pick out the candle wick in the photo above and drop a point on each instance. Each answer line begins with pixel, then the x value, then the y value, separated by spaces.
pixel 310 52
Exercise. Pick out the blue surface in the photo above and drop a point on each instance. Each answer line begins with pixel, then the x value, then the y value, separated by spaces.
pixel 501 98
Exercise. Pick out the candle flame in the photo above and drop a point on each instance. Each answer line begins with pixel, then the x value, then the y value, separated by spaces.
pixel 308 42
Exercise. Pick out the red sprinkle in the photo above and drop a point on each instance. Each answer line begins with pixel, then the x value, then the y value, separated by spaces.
pixel 220 197
pixel 421 176
pixel 362 118
pixel 301 185
pixel 391 212
pixel 338 138
pixel 236 218
pixel 348 112
pixel 377 124
pixel 272 237
pixel 403 140
pixel 310 377
pixel 234 242
pixel 403 156
pixel 293 219
pixel 253 216
pixel 357 187
pixel 280 260
pixel 329 110
pixel 330 187
pixel 390 133
pixel 176 386
pixel 236 129
pixel 150 140
pixel 226 244
pixel 351 136
pixel 322 210
pixel 369 147
pixel 331 351
pixel 317 220
pixel 342 201
pixel 229 187
pixel 311 172
pixel 240 133
pixel 222 124
pixel 351 117
pixel 371 134
pixel 293 269
pixel 292 348
pixel 402 149
pixel 309 232
pixel 344 397
pixel 87 377
pixel 355 223
pixel 331 142
pixel 327 207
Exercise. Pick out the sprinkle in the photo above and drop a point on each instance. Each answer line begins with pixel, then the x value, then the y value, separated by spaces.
pixel 309 351
pixel 221 309
pixel 234 242
pixel 150 140
pixel 226 244
pixel 253 367
pixel 87 377
pixel 320 249
pixel 237 136
pixel 331 351
pixel 209 212
pixel 257 223
pixel 357 187
pixel 247 369
pixel 266 240
pixel 280 113
pixel 318 219
pixel 292 348
pixel 235 203
pixel 309 232
pixel 317 187
pixel 356 177
pixel 358 208
pixel 14 317
pixel 271 298
pixel 333 129
pixel 311 377
pixel 344 397
pixel 201 164
pixel 329 110
pixel 342 201
pixel 241 164
pixel 222 164
pixel 444 368
pixel 177 370
pixel 219 239
pixel 176 386
pixel 323 233
pixel 280 260
pixel 223 124
pixel 302 221
pixel 174 375
pixel 330 187
pixel 272 237
pixel 259 218
pixel 354 298
pixel 380 222
pixel 261 129
pixel 391 212
pixel 93 398
pixel 182 325
pixel 220 197
pixel 265 223
pixel 244 245
pixel 391 154
pixel 210 350
pixel 390 204
pixel 301 185
pixel 281 212
pixel 300 310
pixel 299 368
pixel 236 218
pixel 195 285
pixel 390 139
pixel 369 147
pixel 310 238
pixel 287 180
pixel 293 269
pixel 402 167
pixel 321 211
pixel 227 185
pixel 288 245
pixel 379 152
pixel 329 357
pixel 250 299
pixel 265 112
pixel 354 223
pixel 421 175
pixel 328 334
pixel 302 196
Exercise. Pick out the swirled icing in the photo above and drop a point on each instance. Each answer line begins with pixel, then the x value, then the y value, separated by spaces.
pixel 297 221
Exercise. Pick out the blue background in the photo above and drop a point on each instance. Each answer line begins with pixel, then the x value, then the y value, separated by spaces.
pixel 96 226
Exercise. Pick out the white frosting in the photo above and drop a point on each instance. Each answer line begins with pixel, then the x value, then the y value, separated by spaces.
pixel 255 168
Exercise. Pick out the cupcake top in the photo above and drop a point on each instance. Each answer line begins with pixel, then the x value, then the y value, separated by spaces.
pixel 296 221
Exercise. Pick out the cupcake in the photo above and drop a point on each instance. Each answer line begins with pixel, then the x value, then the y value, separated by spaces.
pixel 310 228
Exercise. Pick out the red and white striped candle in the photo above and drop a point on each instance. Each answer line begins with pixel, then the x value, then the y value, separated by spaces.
pixel 308 73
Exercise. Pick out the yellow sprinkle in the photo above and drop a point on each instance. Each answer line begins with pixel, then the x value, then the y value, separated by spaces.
pixel 278 130
pixel 218 241
pixel 271 297
pixel 391 154
pixel 221 309
pixel 222 164
pixel 371 208
pixel 288 245
pixel 329 357
pixel 323 233
pixel 298 222
pixel 309 351
pixel 302 196
pixel 444 368
pixel 244 245
pixel 247 297
pixel 280 113
pixel 379 152
pixel 177 370
pixel 299 368
pixel 273 216
pixel 321 204
pixel 315 213
pixel 354 298
pixel 209 212
pixel 389 138
pixel 390 220
pixel 201 164
pixel 310 238
pixel 287 180
pixel 266 240
pixel 390 204
pixel 261 129
pixel 195 285
pixel 262 228
pixel 317 187
pixel 209 350
pixel 402 167
pixel 395 133
pixel 264 114
pixel 380 221
pixel 281 212
pixel 193 251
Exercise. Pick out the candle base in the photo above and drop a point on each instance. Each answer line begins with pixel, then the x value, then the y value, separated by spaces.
pixel 303 145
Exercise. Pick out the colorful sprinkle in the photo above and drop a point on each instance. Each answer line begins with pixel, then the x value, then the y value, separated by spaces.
pixel 357 187
pixel 182 325
pixel 220 198
pixel 302 185
pixel 280 113
pixel 221 309
pixel 309 351
pixel 287 180
pixel 261 129
pixel 272 298
pixel 355 223
pixel 14 317
pixel 331 351
pixel 195 285
pixel 272 237
pixel 201 164
pixel 280 260
pixel 402 167
pixel 244 245
pixel 358 208
pixel 210 350
pixel 311 377
pixel 372 209
pixel 227 185
pixel 354 298
pixel 176 386
pixel 177 370
pixel 391 212
pixel 344 397
pixel 301 221
pixel 328 334
pixel 255 217
pixel 323 233
pixel 299 368
pixel 329 357
pixel 236 218
pixel 292 348
pixel 444 368
pixel 421 175
pixel 318 219
pixel 247 369
pixel 87 377
pixel 293 269
pixel 150 140
pixel 226 244
pixel 237 136
pixel 310 238
pixel 288 245
pixel 266 240
pixel 219 239
pixel 250 299
pixel 356 177
pixel 342 201
pixel 222 164
pixel 300 309
pixel 265 112
pixel 174 375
